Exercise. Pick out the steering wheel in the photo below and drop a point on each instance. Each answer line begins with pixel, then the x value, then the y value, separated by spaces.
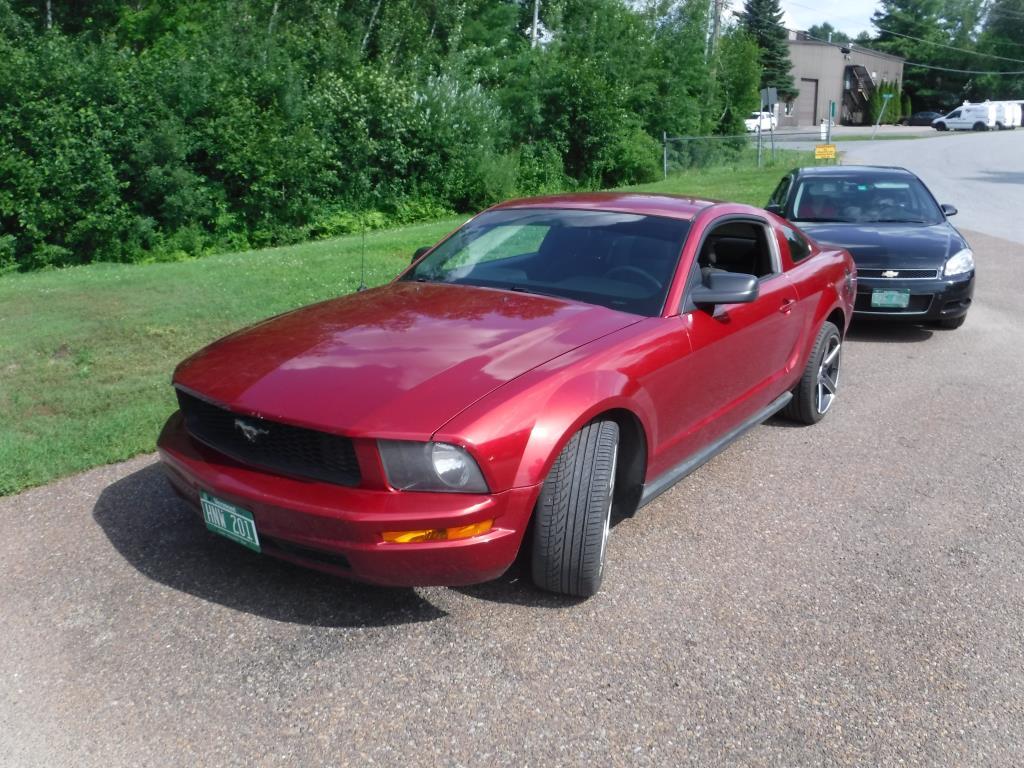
pixel 629 271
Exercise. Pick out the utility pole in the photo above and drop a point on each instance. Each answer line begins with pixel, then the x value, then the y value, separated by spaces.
pixel 536 18
pixel 716 23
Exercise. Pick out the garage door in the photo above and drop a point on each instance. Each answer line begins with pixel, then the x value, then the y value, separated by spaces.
pixel 807 102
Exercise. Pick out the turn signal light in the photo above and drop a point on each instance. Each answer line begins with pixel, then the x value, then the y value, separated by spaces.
pixel 438 534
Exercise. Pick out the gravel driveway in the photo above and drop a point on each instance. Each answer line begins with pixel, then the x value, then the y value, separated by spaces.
pixel 847 594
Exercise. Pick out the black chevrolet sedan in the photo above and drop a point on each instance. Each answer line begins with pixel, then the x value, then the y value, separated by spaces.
pixel 912 264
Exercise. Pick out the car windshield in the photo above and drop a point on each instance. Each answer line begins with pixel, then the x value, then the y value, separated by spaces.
pixel 862 200
pixel 623 261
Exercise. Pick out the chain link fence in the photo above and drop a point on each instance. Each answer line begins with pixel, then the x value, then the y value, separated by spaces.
pixel 758 149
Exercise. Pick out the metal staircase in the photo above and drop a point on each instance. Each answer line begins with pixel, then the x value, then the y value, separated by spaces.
pixel 857 90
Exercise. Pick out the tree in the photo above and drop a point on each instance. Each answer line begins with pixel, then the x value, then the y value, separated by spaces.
pixel 1002 35
pixel 762 20
pixel 828 33
pixel 928 32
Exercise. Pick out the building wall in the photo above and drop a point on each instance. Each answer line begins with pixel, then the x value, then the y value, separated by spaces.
pixel 818 71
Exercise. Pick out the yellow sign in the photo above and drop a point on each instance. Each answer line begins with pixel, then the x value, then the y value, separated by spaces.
pixel 825 152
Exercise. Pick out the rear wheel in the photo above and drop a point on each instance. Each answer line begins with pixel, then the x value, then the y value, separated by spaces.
pixel 814 396
pixel 980 127
pixel 573 513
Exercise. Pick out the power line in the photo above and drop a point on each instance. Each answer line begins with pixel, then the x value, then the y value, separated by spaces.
pixel 960 71
pixel 951 47
pixel 852 46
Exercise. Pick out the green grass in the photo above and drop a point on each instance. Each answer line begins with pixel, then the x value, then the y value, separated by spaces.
pixel 86 353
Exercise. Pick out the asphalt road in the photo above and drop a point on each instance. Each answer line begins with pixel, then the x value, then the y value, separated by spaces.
pixel 982 174
pixel 845 594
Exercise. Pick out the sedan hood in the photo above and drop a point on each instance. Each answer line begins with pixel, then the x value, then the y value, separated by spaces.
pixel 901 246
pixel 398 361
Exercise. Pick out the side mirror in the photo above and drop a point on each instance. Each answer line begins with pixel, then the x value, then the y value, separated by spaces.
pixel 725 288
pixel 419 252
pixel 949 210
pixel 774 208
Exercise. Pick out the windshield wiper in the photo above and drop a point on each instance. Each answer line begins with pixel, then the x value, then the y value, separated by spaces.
pixel 833 221
pixel 897 221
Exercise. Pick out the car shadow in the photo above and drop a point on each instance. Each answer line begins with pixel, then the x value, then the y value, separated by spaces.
pixel 164 540
pixel 888 332
pixel 1015 178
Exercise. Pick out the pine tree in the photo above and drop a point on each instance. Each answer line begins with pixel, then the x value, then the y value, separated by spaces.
pixel 762 19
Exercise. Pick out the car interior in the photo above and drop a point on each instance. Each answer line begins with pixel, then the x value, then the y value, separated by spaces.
pixel 625 264
pixel 736 246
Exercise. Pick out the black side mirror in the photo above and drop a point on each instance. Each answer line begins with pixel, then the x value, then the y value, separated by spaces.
pixel 774 208
pixel 419 252
pixel 725 288
pixel 949 210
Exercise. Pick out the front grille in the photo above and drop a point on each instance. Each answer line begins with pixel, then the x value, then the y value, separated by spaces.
pixel 919 303
pixel 278 447
pixel 904 274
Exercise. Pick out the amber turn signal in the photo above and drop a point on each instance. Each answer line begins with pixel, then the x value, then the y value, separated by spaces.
pixel 438 534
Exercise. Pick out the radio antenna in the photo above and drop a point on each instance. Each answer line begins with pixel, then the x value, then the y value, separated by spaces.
pixel 362 263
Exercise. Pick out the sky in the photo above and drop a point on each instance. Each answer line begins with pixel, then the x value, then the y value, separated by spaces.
pixel 850 16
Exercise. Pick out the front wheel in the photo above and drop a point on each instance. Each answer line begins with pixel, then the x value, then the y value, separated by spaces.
pixel 951 323
pixel 573 513
pixel 814 396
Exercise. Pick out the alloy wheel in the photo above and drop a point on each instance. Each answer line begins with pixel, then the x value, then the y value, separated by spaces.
pixel 828 374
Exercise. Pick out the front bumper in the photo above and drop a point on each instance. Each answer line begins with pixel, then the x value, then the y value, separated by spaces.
pixel 338 529
pixel 934 299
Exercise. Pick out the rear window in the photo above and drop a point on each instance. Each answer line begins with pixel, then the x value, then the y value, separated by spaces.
pixel 622 261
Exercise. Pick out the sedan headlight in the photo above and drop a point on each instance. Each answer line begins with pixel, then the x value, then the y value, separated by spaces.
pixel 412 466
pixel 959 263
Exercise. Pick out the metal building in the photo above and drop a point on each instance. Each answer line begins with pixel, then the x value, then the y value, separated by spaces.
pixel 846 73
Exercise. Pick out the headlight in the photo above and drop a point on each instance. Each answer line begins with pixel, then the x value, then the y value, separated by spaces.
pixel 412 466
pixel 959 263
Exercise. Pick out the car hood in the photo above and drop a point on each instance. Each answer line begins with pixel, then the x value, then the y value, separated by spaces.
pixel 902 246
pixel 398 361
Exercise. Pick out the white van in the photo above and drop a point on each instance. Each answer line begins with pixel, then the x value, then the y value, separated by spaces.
pixel 969 117
pixel 1007 114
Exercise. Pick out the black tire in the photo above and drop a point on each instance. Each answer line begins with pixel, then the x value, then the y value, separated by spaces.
pixel 951 323
pixel 807 405
pixel 940 126
pixel 573 513
pixel 980 127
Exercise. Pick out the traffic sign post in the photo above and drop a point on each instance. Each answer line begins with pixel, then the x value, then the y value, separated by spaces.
pixel 881 113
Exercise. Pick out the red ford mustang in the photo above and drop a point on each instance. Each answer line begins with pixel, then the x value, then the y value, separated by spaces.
pixel 553 362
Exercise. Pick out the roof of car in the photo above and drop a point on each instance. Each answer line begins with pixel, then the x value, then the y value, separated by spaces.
pixel 674 206
pixel 854 170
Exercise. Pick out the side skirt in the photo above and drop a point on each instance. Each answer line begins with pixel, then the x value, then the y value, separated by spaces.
pixel 659 485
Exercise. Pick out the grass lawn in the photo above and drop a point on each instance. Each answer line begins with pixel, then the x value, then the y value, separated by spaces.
pixel 86 353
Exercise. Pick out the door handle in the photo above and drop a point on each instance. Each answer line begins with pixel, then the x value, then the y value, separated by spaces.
pixel 787 306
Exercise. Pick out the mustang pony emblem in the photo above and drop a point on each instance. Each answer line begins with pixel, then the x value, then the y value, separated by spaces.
pixel 250 431
pixel 890 273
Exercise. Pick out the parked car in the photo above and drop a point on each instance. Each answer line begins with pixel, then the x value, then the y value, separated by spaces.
pixel 554 362
pixel 921 118
pixel 912 264
pixel 761 121
pixel 969 117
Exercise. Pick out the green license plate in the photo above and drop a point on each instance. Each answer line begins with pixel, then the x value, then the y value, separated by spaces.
pixel 230 521
pixel 890 299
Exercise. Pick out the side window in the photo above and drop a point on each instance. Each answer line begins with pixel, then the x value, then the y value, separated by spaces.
pixel 779 195
pixel 799 248
pixel 954 115
pixel 737 246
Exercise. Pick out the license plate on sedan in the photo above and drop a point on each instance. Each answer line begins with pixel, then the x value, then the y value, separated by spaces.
pixel 230 521
pixel 890 299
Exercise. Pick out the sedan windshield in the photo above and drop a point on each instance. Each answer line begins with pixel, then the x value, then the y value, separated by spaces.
pixel 623 261
pixel 851 199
